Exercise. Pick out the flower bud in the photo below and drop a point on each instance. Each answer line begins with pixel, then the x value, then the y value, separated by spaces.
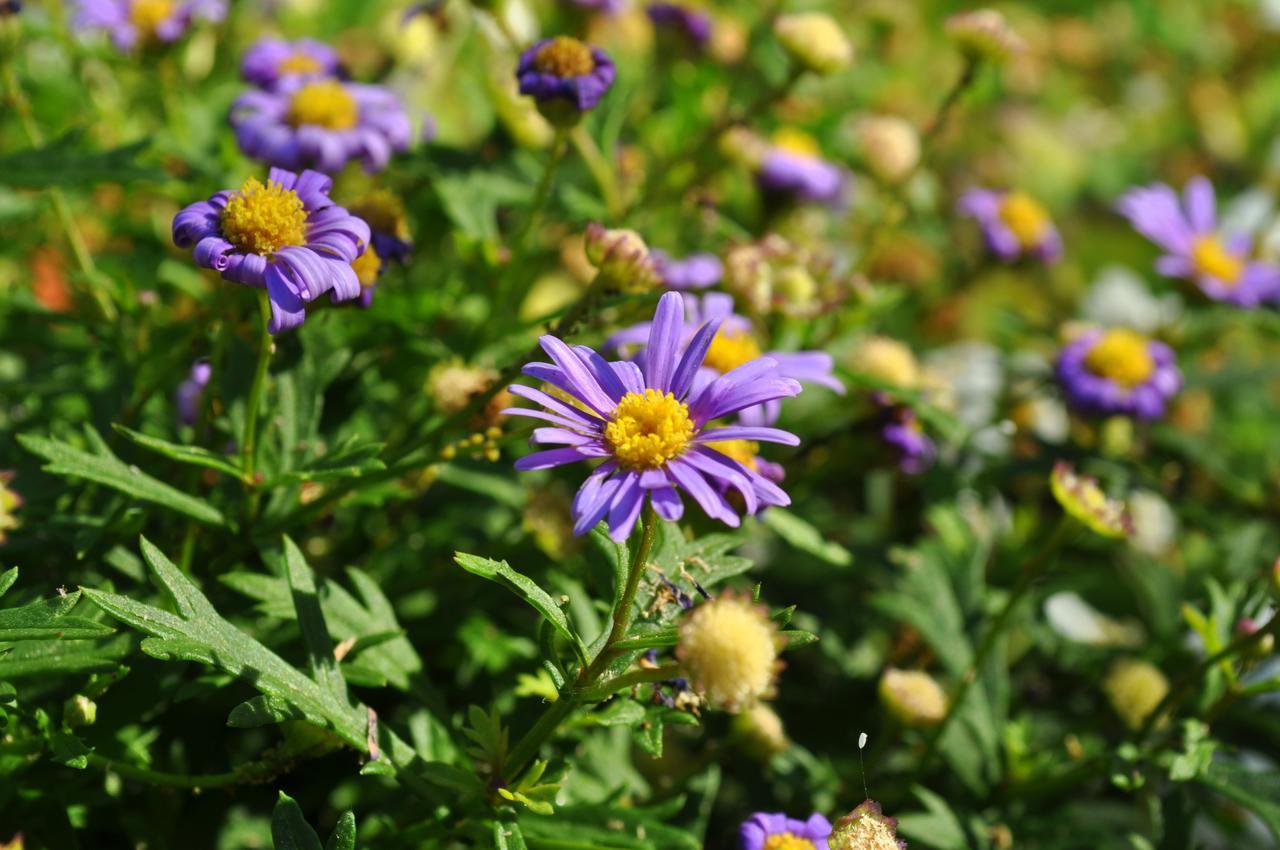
pixel 913 697
pixel 866 828
pixel 890 146
pixel 729 647
pixel 622 257
pixel 1134 688
pixel 79 710
pixel 984 34
pixel 760 730
pixel 814 40
pixel 1082 498
pixel 886 360
pixel 1260 648
pixel 10 501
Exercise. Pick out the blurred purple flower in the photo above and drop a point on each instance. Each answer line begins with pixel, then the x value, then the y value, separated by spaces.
pixel 905 435
pixel 1118 372
pixel 187 398
pixel 692 24
pixel 136 23
pixel 1013 224
pixel 271 60
pixel 696 271
pixel 793 166
pixel 563 71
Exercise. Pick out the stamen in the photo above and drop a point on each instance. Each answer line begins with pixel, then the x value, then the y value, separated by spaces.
pixel 263 219
pixel 648 429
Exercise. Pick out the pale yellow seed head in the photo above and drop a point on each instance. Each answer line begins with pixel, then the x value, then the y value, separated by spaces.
pixel 886 360
pixel 814 40
pixel 913 696
pixel 889 145
pixel 728 646
pixel 1134 688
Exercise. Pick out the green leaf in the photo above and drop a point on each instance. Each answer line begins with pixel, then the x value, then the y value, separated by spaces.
pixel 507 836
pixel 47 618
pixel 1255 790
pixel 315 633
pixel 939 829
pixel 63 162
pixel 805 537
pixel 193 455
pixel 343 836
pixel 524 587
pixel 7 578
pixel 47 657
pixel 103 467
pixel 657 638
pixel 289 829
pixel 351 458
pixel 262 710
pixel 797 638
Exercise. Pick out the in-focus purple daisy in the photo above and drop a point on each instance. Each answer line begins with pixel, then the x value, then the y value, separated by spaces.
pixel 1118 372
pixel 733 346
pixel 692 25
pixel 271 60
pixel 190 391
pixel 138 23
pixel 1194 247
pixel 696 271
pixel 650 426
pixel 904 434
pixel 321 124
pixel 764 831
pixel 286 236
pixel 565 77
pixel 793 166
pixel 1013 224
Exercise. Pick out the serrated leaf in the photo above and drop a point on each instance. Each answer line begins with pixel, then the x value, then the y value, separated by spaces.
pixel 524 587
pixel 262 710
pixel 47 618
pixel 192 455
pixel 315 633
pixel 289 829
pixel 47 657
pixel 804 536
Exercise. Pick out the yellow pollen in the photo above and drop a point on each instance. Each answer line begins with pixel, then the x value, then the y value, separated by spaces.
pixel 1122 356
pixel 787 841
pixel 300 63
pixel 564 57
pixel 1025 217
pixel 729 350
pixel 796 141
pixel 383 211
pixel 263 219
pixel 147 15
pixel 1212 259
pixel 647 430
pixel 323 104
pixel 366 266
pixel 743 451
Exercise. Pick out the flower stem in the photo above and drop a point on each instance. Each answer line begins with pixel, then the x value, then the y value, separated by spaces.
pixel 249 444
pixel 600 167
pixel 527 747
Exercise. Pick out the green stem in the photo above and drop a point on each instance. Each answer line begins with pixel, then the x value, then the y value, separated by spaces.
pixel 247 774
pixel 249 444
pixel 527 747
pixel 543 190
pixel 641 676
pixel 600 167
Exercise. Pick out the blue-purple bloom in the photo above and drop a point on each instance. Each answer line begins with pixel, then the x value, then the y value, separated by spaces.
pixel 190 391
pixel 321 124
pixel 755 832
pixel 793 166
pixel 563 72
pixel 137 23
pixel 1013 224
pixel 650 425
pixel 287 236
pixel 903 433
pixel 1194 247
pixel 270 60
pixel 692 24
pixel 1118 372
pixel 696 271
pixel 734 345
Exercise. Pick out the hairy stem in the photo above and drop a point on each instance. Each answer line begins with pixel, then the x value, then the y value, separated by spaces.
pixel 249 443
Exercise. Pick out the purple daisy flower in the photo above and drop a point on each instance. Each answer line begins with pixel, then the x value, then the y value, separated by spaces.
pixel 321 124
pixel 137 23
pixel 1194 247
pixel 1013 224
pixel 696 271
pixel 609 7
pixel 649 426
pixel 734 345
pixel 1118 372
pixel 793 165
pixel 190 391
pixel 692 24
pixel 757 830
pixel 286 236
pixel 270 60
pixel 565 76
pixel 905 435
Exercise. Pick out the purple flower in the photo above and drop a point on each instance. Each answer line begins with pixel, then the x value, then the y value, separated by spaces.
pixel 286 236
pixel 650 425
pixel 1194 248
pixel 563 72
pixel 609 7
pixel 138 23
pixel 1118 372
pixel 190 391
pixel 755 832
pixel 1013 224
pixel 271 60
pixel 793 165
pixel 692 24
pixel 696 271
pixel 321 124
pixel 734 345
pixel 904 434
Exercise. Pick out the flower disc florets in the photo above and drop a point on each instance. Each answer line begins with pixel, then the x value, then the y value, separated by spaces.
pixel 866 828
pixel 648 429
pixel 325 103
pixel 263 219
pixel 729 646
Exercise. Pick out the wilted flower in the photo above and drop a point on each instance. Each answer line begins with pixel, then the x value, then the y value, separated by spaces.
pixel 1194 247
pixel 190 391
pixel 321 124
pixel 649 425
pixel 984 34
pixel 729 647
pixel 904 433
pixel 866 828
pixel 286 236
pixel 141 23
pixel 452 384
pixel 764 831
pixel 1118 372
pixel 270 60
pixel 913 696
pixel 622 257
pixel 696 271
pixel 1013 224
pixel 10 501
pixel 693 25
pixel 889 145
pixel 772 274
pixel 794 166
pixel 1135 687
pixel 887 361
pixel 1082 498
pixel 565 77
pixel 814 40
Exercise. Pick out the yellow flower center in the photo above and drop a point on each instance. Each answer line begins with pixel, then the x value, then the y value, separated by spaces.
pixel 728 351
pixel 787 841
pixel 323 104
pixel 300 63
pixel 728 647
pixel 263 219
pixel 743 451
pixel 564 57
pixel 1211 258
pixel 382 211
pixel 647 430
pixel 796 141
pixel 1025 218
pixel 366 266
pixel 147 15
pixel 1122 356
